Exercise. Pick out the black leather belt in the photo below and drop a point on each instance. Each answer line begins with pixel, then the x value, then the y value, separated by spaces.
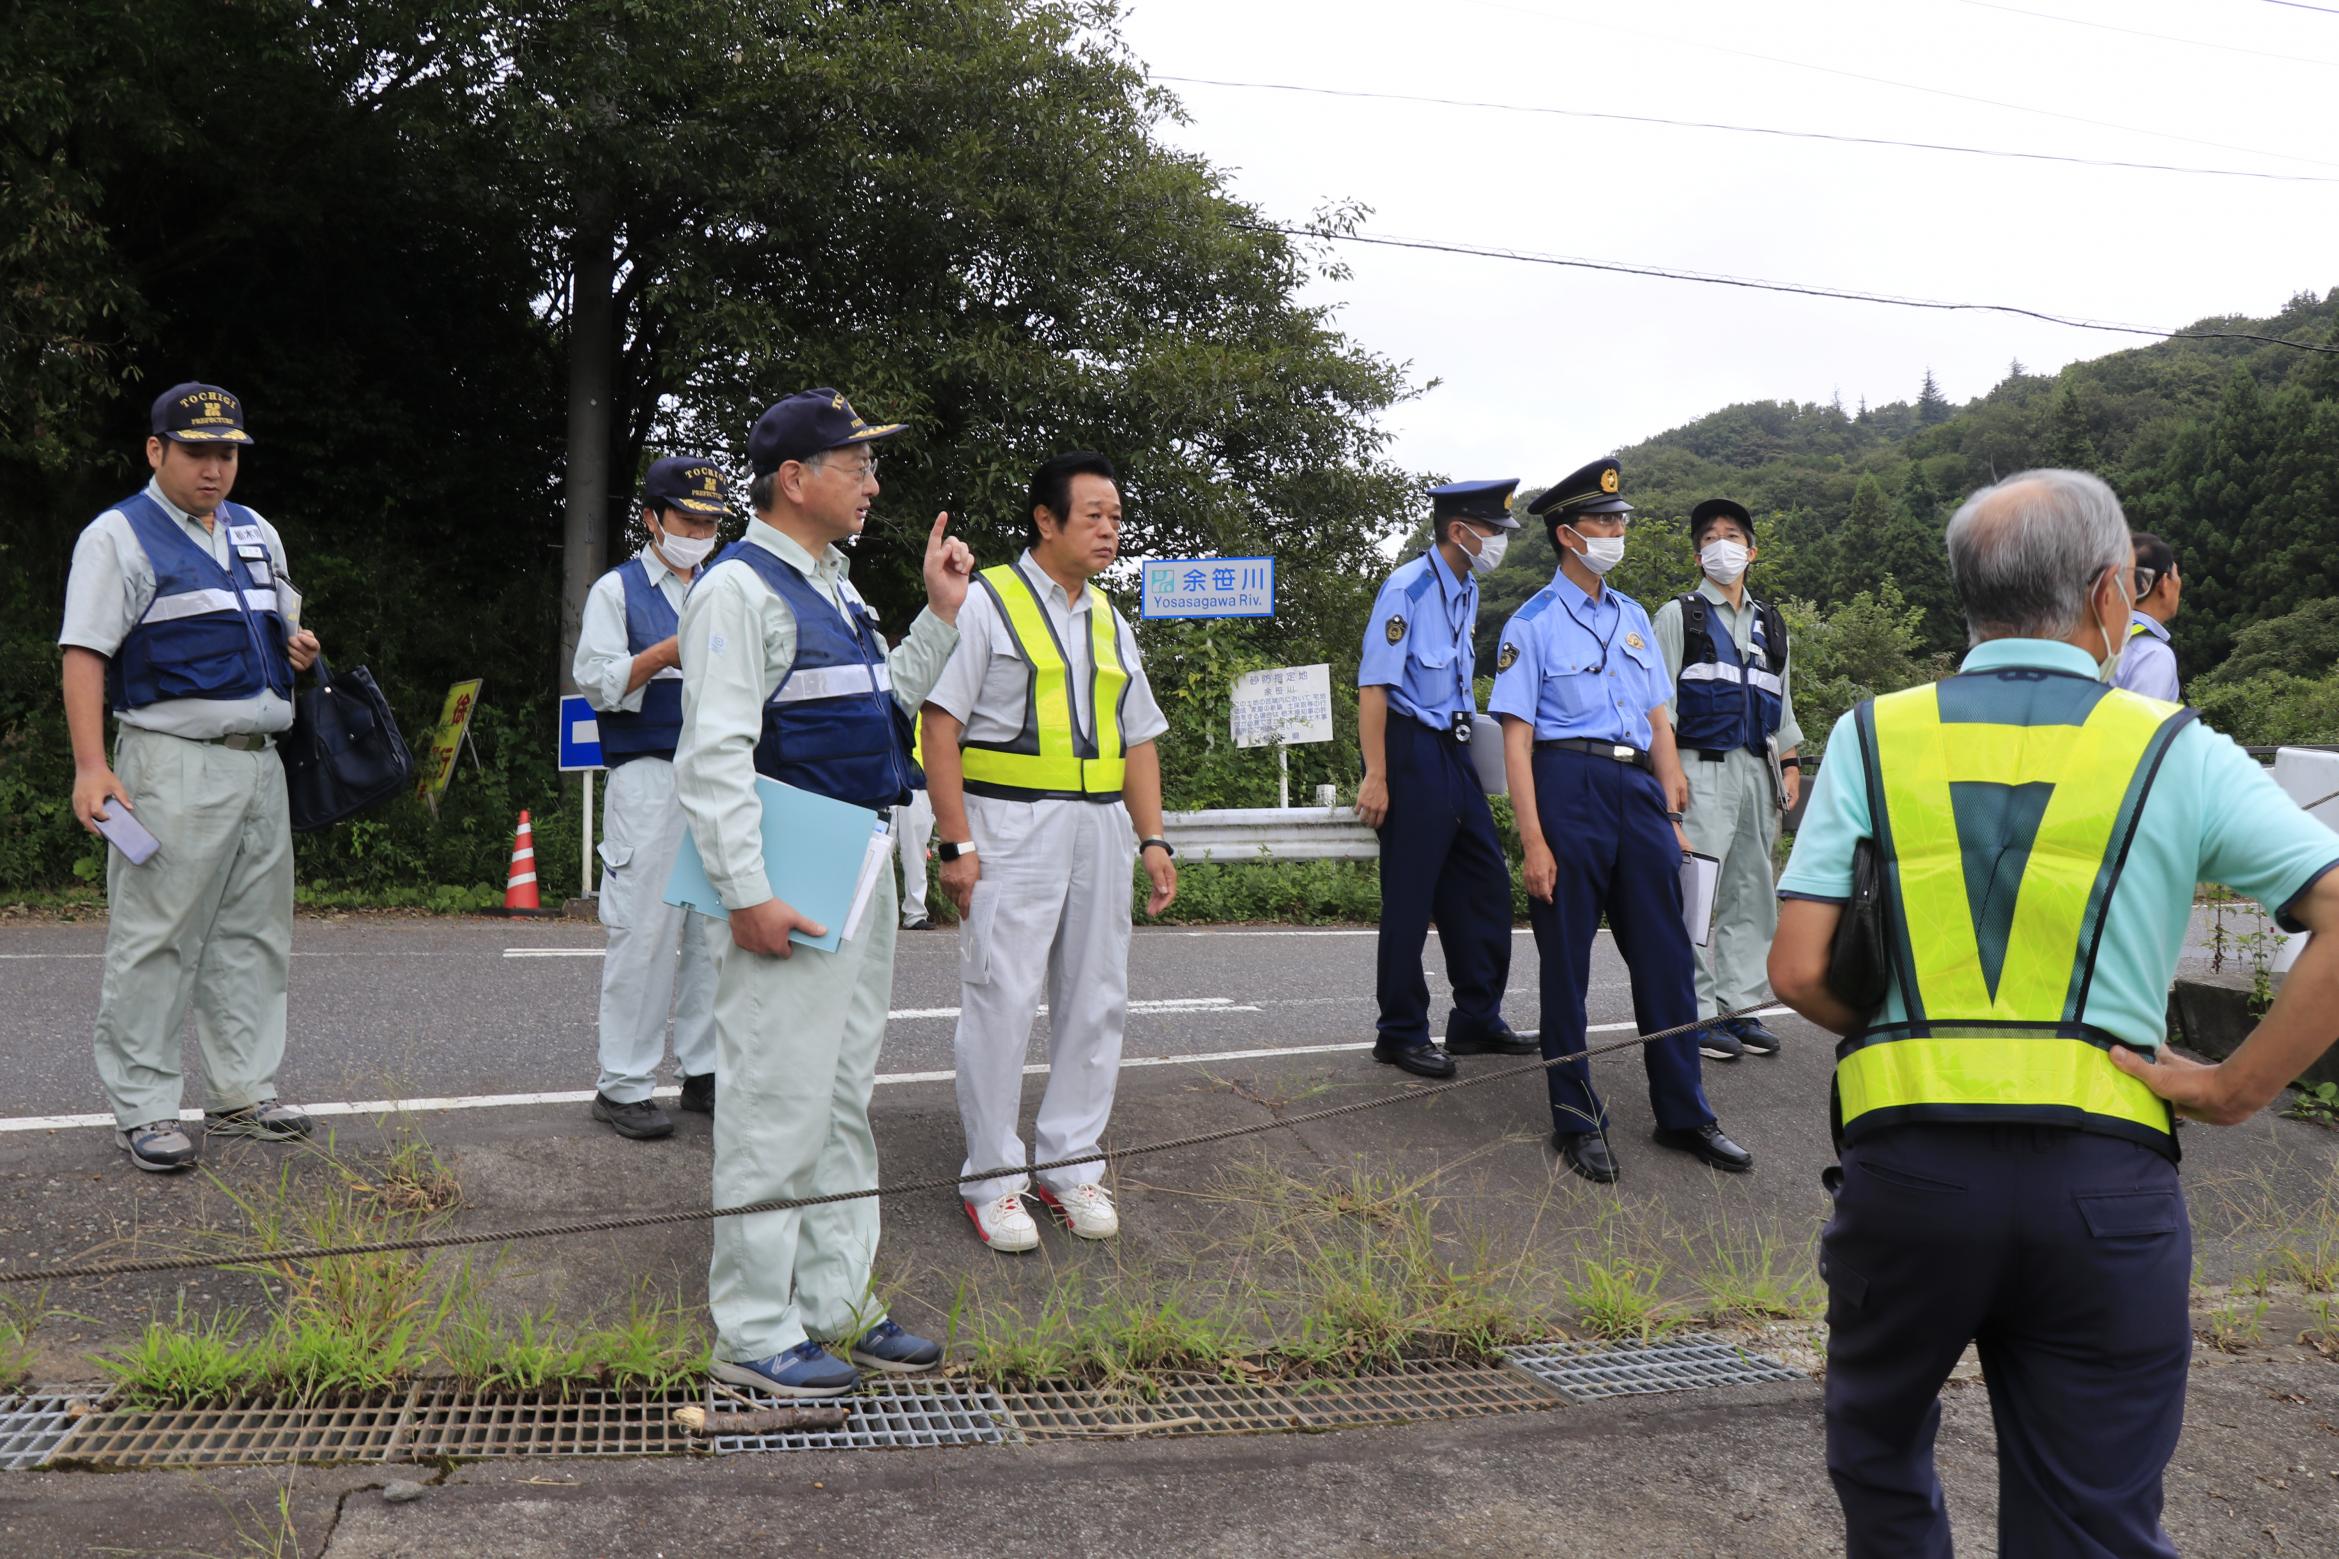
pixel 1612 750
pixel 240 742
pixel 1720 754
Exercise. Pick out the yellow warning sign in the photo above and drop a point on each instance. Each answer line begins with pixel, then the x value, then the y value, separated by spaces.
pixel 434 771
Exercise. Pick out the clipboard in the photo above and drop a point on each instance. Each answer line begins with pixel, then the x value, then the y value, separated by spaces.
pixel 1775 766
pixel 1486 755
pixel 1701 878
pixel 819 854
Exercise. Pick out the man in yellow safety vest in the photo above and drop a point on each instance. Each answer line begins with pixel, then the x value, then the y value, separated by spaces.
pixel 2009 1167
pixel 1039 754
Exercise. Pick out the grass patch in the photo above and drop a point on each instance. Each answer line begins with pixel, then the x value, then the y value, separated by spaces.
pixel 2235 1327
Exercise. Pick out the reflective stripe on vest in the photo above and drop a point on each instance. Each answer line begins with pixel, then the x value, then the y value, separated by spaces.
pixel 654 730
pixel 211 631
pixel 1051 755
pixel 2005 803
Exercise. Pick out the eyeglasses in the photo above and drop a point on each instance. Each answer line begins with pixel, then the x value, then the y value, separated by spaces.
pixel 851 473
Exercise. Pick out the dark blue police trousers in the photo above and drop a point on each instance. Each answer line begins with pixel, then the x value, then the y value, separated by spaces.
pixel 1440 861
pixel 1605 823
pixel 2065 1256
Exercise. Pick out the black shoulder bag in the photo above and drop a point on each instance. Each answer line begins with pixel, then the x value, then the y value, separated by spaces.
pixel 1859 961
pixel 344 752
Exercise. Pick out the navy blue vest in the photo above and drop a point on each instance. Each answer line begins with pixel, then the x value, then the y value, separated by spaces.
pixel 1719 702
pixel 653 730
pixel 210 632
pixel 832 726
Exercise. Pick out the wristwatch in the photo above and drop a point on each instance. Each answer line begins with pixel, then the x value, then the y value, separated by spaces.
pixel 950 851
pixel 1674 817
pixel 1151 840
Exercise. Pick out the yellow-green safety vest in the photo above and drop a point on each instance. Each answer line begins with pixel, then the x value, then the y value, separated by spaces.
pixel 1052 756
pixel 2004 803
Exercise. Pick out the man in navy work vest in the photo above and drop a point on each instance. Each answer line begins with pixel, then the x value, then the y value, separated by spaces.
pixel 179 616
pixel 629 667
pixel 2008 1176
pixel 784 675
pixel 1440 859
pixel 1734 725
pixel 1597 789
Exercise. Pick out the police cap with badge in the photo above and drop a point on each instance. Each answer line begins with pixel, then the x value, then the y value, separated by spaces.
pixel 686 482
pixel 1489 503
pixel 194 413
pixel 1592 489
pixel 808 423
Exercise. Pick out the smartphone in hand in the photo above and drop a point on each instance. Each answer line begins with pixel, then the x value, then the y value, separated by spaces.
pixel 126 834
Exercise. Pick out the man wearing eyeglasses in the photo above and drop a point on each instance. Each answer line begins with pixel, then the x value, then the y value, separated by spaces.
pixel 2147 664
pixel 785 675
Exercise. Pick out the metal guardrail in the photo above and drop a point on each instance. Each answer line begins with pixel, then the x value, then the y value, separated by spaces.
pixel 1235 834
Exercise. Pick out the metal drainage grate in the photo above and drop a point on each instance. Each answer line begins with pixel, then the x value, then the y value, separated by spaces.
pixel 359 1431
pixel 1587 1372
pixel 32 1426
pixel 455 1424
pixel 883 1417
pixel 1196 1407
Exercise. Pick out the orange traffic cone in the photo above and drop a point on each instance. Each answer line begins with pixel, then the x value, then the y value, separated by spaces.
pixel 520 886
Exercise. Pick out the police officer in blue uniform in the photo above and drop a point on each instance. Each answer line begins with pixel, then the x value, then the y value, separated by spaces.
pixel 1598 791
pixel 1440 859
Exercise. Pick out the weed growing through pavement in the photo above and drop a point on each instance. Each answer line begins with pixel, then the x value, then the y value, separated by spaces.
pixel 2323 1335
pixel 2319 1103
pixel 2234 1327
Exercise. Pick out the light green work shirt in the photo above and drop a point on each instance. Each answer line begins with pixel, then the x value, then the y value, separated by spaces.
pixel 1739 621
pixel 738 642
pixel 2212 815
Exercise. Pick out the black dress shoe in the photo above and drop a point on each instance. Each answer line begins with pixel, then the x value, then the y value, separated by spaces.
pixel 1757 1039
pixel 698 1093
pixel 1464 1038
pixel 1420 1060
pixel 1586 1152
pixel 641 1120
pixel 1707 1144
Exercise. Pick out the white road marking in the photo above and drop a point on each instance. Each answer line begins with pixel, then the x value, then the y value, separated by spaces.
pixel 489 1101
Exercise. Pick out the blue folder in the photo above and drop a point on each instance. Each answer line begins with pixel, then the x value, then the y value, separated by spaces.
pixel 813 847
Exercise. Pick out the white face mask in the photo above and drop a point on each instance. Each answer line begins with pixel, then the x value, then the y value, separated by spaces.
pixel 1601 553
pixel 2109 666
pixel 1488 557
pixel 1724 561
pixel 684 553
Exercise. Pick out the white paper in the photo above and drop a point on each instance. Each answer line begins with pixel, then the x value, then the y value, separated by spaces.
pixel 288 603
pixel 879 857
pixel 1701 876
pixel 1486 755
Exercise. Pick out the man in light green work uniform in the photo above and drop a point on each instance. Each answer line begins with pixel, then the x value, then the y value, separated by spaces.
pixel 1734 724
pixel 179 618
pixel 784 675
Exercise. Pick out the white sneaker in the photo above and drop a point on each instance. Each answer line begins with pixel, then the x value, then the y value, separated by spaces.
pixel 1087 1210
pixel 1004 1225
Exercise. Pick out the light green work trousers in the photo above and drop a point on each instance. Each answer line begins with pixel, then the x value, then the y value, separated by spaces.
pixel 796 1043
pixel 206 922
pixel 1732 818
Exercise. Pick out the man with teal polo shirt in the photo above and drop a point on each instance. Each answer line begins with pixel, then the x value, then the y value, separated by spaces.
pixel 2008 1177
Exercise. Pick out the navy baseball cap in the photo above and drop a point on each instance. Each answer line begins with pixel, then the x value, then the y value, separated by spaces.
pixel 807 423
pixel 1489 502
pixel 688 483
pixel 199 414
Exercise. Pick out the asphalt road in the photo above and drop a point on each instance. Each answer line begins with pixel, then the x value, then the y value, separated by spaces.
pixel 400 1008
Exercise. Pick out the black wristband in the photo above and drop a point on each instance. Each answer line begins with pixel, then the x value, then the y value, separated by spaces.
pixel 1149 842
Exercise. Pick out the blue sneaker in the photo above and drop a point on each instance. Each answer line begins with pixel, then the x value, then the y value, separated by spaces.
pixel 1716 1043
pixel 806 1370
pixel 1754 1038
pixel 887 1347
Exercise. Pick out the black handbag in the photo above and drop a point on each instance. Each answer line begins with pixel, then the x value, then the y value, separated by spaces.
pixel 344 752
pixel 1859 967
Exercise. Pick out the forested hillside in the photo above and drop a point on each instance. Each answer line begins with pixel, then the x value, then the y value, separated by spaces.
pixel 2229 449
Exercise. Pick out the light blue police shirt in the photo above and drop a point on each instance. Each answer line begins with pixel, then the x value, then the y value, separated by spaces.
pixel 1579 667
pixel 2212 815
pixel 1417 643
pixel 2147 664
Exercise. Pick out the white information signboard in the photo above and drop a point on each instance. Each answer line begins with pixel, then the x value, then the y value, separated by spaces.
pixel 1193 588
pixel 1291 705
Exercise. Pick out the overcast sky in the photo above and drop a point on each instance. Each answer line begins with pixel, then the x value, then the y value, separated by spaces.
pixel 1541 369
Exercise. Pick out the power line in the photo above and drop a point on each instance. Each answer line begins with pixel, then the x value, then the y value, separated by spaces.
pixel 1702 124
pixel 2137 32
pixel 1669 273
pixel 2300 5
pixel 1905 86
